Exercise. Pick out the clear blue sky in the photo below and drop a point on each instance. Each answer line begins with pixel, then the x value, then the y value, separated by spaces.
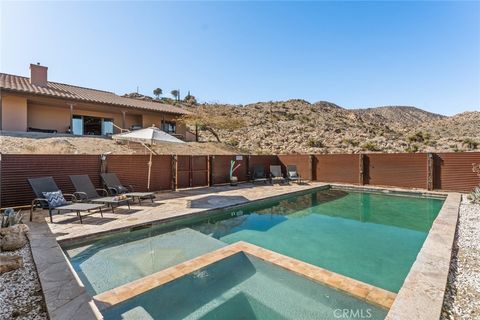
pixel 355 54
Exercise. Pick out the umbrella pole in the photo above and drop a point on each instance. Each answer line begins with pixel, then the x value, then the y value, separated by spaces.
pixel 149 171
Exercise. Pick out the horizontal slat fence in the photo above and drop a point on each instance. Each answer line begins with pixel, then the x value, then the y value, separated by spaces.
pixel 397 169
pixel 453 171
pixel 16 169
pixel 438 171
pixel 183 171
pixel 199 171
pixel 133 169
pixel 262 160
pixel 337 168
pixel 303 163
pixel 220 168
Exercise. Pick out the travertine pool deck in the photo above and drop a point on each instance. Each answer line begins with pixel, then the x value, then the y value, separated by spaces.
pixel 421 296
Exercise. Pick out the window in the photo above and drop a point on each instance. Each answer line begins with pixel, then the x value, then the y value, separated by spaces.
pixel 107 127
pixel 169 127
pixel 77 123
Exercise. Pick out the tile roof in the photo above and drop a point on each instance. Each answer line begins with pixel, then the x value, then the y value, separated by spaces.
pixel 66 91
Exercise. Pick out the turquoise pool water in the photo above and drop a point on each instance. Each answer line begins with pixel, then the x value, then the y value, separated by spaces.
pixel 242 287
pixel 371 237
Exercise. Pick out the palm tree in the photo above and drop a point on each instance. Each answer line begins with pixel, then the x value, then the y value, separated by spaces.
pixel 176 94
pixel 157 92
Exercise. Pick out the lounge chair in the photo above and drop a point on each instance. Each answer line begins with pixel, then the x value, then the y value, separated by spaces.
pixel 276 174
pixel 46 187
pixel 258 174
pixel 86 192
pixel 115 187
pixel 292 173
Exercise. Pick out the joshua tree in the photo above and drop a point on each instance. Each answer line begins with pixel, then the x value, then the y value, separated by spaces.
pixel 176 94
pixel 190 99
pixel 157 93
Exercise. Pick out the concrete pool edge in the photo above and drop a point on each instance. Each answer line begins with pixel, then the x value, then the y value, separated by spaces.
pixel 422 293
pixel 357 289
pixel 65 296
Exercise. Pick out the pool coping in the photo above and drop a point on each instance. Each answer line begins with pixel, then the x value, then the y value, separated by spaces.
pixel 411 301
pixel 422 293
pixel 360 290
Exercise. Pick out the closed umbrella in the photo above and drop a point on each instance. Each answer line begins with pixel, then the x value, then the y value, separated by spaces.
pixel 147 136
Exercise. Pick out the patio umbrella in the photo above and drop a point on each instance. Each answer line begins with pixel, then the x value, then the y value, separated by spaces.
pixel 147 136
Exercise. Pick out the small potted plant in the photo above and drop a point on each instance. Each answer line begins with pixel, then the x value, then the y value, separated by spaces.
pixel 233 168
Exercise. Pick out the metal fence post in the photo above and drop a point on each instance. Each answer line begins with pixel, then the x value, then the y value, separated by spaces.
pixel 174 172
pixel 190 173
pixel 361 166
pixel 211 163
pixel 311 164
pixel 430 170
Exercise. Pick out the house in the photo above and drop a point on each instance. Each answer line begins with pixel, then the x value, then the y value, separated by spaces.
pixel 36 104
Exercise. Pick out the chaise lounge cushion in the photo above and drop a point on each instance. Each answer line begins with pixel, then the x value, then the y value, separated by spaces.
pixel 55 199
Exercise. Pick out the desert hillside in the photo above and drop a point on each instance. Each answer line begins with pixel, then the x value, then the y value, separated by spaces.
pixel 297 126
pixel 293 126
pixel 88 145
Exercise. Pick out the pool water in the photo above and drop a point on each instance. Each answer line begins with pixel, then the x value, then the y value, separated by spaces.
pixel 371 237
pixel 241 287
pixel 119 259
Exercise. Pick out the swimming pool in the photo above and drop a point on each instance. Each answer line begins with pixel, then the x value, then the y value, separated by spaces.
pixel 373 237
pixel 241 287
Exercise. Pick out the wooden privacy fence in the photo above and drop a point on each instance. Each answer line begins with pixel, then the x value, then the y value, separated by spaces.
pixel 432 171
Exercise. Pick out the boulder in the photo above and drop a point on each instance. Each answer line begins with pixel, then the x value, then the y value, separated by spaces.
pixel 9 263
pixel 13 238
pixel 14 229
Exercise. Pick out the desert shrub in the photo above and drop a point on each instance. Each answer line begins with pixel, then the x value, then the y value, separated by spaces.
pixel 232 142
pixel 470 143
pixel 412 148
pixel 351 142
pixel 419 136
pixel 315 143
pixel 370 146
pixel 431 143
pixel 474 196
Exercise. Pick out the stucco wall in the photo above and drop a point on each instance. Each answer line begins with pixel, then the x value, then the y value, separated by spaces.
pixel 131 120
pixel 58 118
pixel 14 113
pixel 46 117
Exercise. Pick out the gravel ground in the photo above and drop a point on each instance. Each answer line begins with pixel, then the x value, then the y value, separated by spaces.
pixel 20 291
pixel 462 297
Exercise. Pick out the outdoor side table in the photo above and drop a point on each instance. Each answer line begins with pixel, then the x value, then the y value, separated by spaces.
pixel 111 201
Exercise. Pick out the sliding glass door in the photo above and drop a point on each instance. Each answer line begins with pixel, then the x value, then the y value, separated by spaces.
pixel 93 126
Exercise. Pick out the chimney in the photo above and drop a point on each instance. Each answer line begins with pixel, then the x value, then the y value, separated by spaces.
pixel 38 75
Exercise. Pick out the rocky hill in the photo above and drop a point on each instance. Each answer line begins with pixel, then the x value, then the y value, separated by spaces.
pixel 297 126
